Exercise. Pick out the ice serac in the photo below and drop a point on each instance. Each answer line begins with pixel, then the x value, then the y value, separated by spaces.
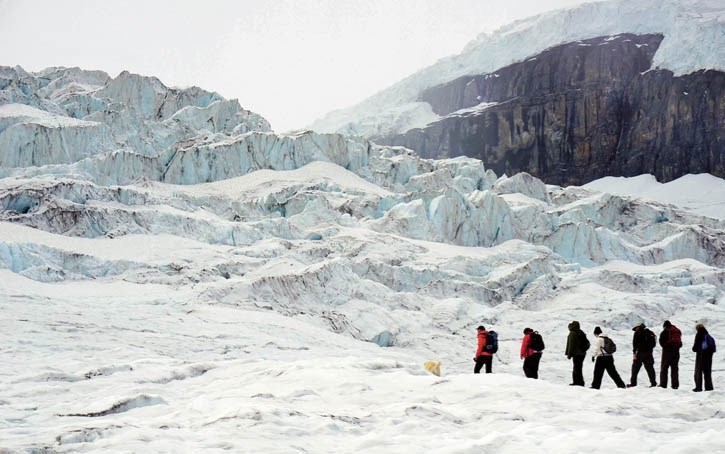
pixel 579 112
pixel 151 98
pixel 254 151
pixel 31 137
pixel 525 184
pixel 65 115
pixel 221 116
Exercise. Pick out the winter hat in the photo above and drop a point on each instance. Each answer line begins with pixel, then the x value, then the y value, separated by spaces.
pixel 636 327
pixel 528 330
pixel 597 331
pixel 666 324
pixel 699 326
pixel 481 328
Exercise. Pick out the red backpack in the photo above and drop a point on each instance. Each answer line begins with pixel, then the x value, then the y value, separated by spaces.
pixel 675 339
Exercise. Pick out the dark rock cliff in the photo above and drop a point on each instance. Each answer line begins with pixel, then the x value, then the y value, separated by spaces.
pixel 578 112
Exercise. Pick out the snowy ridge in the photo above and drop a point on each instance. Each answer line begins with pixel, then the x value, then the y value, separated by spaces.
pixel 130 112
pixel 703 193
pixel 693 40
pixel 205 284
pixel 20 113
pixel 477 109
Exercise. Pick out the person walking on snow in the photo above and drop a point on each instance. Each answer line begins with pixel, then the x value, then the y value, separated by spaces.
pixel 482 356
pixel 643 342
pixel 671 342
pixel 604 361
pixel 704 347
pixel 530 356
pixel 577 345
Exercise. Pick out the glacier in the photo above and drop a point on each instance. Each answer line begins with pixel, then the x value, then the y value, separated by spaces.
pixel 176 276
pixel 694 40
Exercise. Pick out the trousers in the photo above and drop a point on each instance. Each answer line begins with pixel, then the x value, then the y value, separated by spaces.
pixel 703 369
pixel 481 361
pixel 606 363
pixel 647 360
pixel 670 360
pixel 531 365
pixel 577 374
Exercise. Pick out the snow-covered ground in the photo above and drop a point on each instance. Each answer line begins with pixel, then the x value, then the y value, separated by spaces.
pixel 117 367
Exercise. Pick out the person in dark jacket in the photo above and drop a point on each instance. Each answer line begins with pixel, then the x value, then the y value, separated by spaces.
pixel 577 345
pixel 671 342
pixel 530 356
pixel 482 356
pixel 604 361
pixel 643 342
pixel 704 347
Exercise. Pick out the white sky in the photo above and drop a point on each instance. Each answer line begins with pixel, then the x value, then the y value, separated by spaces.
pixel 290 60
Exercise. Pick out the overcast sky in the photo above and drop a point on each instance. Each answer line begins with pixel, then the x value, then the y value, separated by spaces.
pixel 290 60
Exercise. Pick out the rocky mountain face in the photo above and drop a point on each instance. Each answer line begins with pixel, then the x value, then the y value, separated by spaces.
pixel 693 41
pixel 578 112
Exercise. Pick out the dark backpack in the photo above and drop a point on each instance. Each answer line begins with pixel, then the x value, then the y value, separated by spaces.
pixel 650 340
pixel 491 342
pixel 584 341
pixel 675 340
pixel 710 343
pixel 536 342
pixel 609 346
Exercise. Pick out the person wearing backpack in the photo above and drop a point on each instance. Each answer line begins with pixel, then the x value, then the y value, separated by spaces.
pixel 704 347
pixel 531 347
pixel 486 349
pixel 643 343
pixel 602 352
pixel 577 345
pixel 671 342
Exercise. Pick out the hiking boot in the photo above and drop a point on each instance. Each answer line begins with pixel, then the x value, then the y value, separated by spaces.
pixel 629 385
pixel 653 385
pixel 697 390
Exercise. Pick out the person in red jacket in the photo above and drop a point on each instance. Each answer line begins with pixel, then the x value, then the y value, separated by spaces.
pixel 482 356
pixel 530 356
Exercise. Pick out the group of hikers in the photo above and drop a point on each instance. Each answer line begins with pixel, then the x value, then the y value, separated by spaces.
pixel 644 342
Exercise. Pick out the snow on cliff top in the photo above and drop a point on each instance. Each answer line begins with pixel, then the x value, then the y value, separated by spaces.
pixel 703 194
pixel 694 38
pixel 273 180
pixel 21 113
